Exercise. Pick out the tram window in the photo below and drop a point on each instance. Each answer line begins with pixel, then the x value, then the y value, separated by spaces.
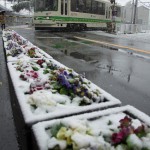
pixel 95 7
pixel 88 6
pixel 78 5
pixel 73 5
pixel 51 5
pixel 39 5
pixel 46 5
pixel 101 8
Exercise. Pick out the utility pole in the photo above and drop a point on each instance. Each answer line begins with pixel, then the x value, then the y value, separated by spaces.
pixel 5 3
pixel 114 13
pixel 132 9
pixel 135 12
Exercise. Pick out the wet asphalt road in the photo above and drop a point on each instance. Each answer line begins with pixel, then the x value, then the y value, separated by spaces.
pixel 123 75
pixel 121 40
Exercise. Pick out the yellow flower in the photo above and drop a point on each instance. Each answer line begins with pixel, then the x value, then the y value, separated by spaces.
pixel 65 134
pixel 61 133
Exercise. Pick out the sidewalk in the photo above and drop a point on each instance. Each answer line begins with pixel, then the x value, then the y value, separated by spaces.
pixel 8 139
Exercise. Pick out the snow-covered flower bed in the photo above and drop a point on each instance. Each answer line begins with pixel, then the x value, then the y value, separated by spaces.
pixel 47 89
pixel 122 128
pixel 17 47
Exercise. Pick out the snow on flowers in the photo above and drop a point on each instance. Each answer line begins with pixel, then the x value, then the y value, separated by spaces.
pixel 44 77
pixel 18 47
pixel 113 132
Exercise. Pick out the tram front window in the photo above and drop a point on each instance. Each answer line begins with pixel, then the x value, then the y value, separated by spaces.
pixel 46 5
pixel 39 5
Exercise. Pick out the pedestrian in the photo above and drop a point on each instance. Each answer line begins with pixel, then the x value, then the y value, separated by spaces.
pixel 2 19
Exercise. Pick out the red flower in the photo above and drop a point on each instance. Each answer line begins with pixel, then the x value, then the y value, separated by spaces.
pixel 140 131
pixel 23 77
pixel 121 136
pixel 40 62
pixel 35 87
pixel 32 74
pixel 125 122
pixel 117 138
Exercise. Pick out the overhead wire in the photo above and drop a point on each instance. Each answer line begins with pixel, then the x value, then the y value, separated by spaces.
pixel 144 4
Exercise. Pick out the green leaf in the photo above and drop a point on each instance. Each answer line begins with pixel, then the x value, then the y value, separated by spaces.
pixel 70 70
pixel 69 147
pixel 35 68
pixel 83 103
pixel 45 71
pixel 134 142
pixel 109 123
pixel 72 95
pixel 34 106
pixel 57 86
pixel 8 55
pixel 84 83
pixel 64 91
pixel 71 81
pixel 55 129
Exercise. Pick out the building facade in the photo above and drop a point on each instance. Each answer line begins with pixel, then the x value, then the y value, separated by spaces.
pixel 143 14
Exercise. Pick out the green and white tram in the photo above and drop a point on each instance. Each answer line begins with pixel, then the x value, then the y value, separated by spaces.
pixel 73 14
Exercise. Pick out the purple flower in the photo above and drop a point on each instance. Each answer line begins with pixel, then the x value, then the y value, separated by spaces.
pixel 63 81
pixel 76 89
pixel 65 73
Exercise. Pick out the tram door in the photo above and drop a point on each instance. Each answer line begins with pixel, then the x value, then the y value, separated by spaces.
pixel 64 7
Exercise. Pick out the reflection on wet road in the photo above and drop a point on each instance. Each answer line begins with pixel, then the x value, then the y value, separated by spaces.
pixel 115 45
pixel 123 75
